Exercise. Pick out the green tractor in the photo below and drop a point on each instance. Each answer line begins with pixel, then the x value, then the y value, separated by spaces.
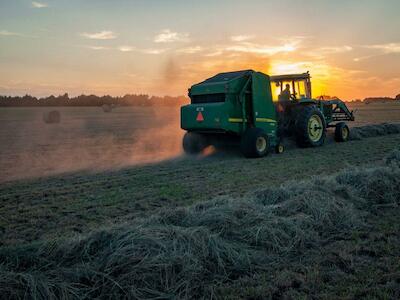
pixel 257 112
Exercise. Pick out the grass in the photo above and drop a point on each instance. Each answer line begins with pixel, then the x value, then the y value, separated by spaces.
pixel 308 238
pixel 363 266
pixel 66 205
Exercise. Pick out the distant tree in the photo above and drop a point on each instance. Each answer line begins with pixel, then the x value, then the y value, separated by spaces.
pixel 397 97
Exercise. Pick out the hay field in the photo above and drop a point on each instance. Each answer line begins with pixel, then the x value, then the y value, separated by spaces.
pixel 85 139
pixel 375 113
pixel 89 139
pixel 320 222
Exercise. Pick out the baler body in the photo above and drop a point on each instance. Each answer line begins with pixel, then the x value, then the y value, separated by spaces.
pixel 230 103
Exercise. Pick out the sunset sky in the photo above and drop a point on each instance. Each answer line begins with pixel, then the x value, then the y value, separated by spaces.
pixel 351 48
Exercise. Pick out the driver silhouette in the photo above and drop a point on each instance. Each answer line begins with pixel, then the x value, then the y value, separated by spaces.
pixel 285 95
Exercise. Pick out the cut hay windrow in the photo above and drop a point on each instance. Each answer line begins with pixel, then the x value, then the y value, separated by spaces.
pixel 373 130
pixel 190 252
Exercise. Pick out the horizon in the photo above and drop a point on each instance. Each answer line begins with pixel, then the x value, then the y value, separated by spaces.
pixel 150 96
pixel 52 47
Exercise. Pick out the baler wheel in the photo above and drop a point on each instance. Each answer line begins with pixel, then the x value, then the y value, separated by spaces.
pixel 193 143
pixel 254 143
pixel 310 127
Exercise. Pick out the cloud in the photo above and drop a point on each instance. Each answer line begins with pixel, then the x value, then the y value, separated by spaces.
pixel 97 47
pixel 357 59
pixel 261 49
pixel 294 38
pixel 214 53
pixel 153 51
pixel 9 33
pixel 322 52
pixel 241 38
pixel 241 45
pixel 168 36
pixel 145 51
pixel 386 48
pixel 39 4
pixel 389 48
pixel 102 35
pixel 190 50
pixel 17 34
pixel 331 50
pixel 126 48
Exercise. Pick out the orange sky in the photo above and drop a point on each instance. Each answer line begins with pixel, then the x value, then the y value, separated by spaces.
pixel 351 48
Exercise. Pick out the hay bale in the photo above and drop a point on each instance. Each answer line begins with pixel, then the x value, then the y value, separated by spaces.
pixel 107 108
pixel 52 117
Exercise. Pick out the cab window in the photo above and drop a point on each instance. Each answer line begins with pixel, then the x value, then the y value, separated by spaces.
pixel 282 90
pixel 276 90
pixel 300 89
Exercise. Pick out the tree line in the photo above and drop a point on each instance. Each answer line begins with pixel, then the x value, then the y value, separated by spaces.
pixel 365 100
pixel 381 99
pixel 93 100
pixel 127 100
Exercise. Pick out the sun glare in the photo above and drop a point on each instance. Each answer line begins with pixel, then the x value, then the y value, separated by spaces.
pixel 279 68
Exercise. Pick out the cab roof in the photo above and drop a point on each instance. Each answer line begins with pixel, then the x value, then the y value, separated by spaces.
pixel 290 77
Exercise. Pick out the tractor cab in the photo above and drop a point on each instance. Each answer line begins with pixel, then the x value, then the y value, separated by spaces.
pixel 293 87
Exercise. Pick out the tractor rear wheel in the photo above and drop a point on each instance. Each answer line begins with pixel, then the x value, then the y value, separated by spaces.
pixel 194 143
pixel 342 132
pixel 254 143
pixel 310 127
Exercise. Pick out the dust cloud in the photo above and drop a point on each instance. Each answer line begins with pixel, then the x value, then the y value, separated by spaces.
pixel 87 139
pixel 180 71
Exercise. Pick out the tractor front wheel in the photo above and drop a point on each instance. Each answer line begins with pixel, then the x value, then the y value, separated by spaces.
pixel 254 143
pixel 342 132
pixel 310 127
pixel 193 143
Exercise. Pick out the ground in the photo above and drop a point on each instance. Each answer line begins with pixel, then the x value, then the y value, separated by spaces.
pixel 55 206
pixel 64 204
